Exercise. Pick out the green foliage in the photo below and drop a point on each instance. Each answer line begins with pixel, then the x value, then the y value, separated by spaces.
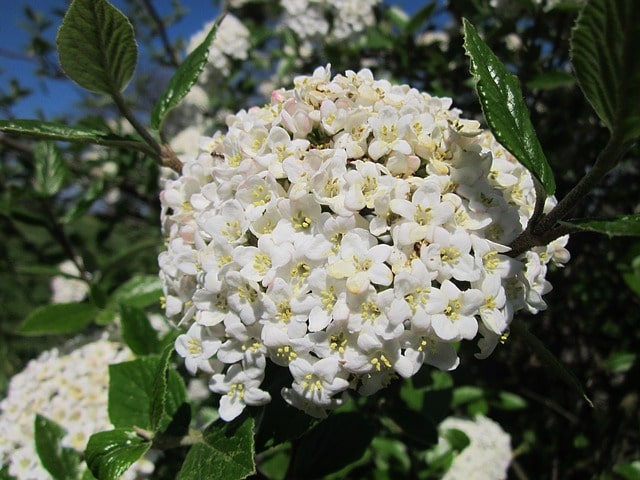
pixel 51 170
pixel 133 394
pixel 606 62
pixel 58 318
pixel 624 225
pixel 137 331
pixel 504 108
pixel 97 47
pixel 225 451
pixel 185 77
pixel 61 462
pixel 110 454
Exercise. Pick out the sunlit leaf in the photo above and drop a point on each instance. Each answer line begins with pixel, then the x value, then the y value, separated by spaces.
pixel 184 78
pixel 110 454
pixel 58 318
pixel 225 452
pixel 504 108
pixel 97 47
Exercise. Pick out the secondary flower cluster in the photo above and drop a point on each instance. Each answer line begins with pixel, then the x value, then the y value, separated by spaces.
pixel 350 231
pixel 488 454
pixel 70 389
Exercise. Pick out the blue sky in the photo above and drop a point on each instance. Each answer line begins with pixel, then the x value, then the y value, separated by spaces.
pixel 52 97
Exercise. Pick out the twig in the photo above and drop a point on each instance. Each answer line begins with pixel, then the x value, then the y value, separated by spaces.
pixel 174 59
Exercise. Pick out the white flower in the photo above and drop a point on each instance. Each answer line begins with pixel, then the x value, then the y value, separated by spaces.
pixel 238 388
pixel 67 388
pixel 488 454
pixel 351 230
pixel 65 288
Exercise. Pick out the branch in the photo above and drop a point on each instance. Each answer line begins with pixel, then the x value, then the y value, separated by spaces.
pixel 174 59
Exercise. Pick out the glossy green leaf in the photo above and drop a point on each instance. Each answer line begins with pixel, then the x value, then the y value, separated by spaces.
pixel 185 77
pixel 97 47
pixel 504 108
pixel 548 358
pixel 110 454
pixel 67 133
pixel 132 390
pixel 137 331
pixel 50 169
pixel 622 226
pixel 604 55
pixel 61 462
pixel 226 451
pixel 140 291
pixel 58 318
pixel 332 444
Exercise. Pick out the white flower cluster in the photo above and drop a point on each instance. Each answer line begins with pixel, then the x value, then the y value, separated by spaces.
pixel 488 455
pixel 64 288
pixel 69 389
pixel 231 42
pixel 350 231
pixel 308 18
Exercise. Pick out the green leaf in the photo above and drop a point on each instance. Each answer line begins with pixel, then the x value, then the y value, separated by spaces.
pixel 456 438
pixel 159 388
pixel 551 80
pixel 58 318
pixel 131 394
pixel 50 169
pixel 333 444
pixel 519 328
pixel 226 451
pixel 619 361
pixel 622 226
pixel 97 47
pixel 137 331
pixel 466 394
pixel 62 463
pixel 110 454
pixel 185 77
pixel 140 291
pixel 511 401
pixel 504 108
pixel 604 55
pixel 419 18
pixel 628 471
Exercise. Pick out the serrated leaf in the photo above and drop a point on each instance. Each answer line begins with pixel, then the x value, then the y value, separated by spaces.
pixel 97 47
pixel 110 454
pixel 225 452
pixel 131 393
pixel 50 169
pixel 159 388
pixel 548 358
pixel 332 444
pixel 137 331
pixel 604 55
pixel 58 318
pixel 185 77
pixel 504 108
pixel 139 291
pixel 62 463
pixel 622 226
